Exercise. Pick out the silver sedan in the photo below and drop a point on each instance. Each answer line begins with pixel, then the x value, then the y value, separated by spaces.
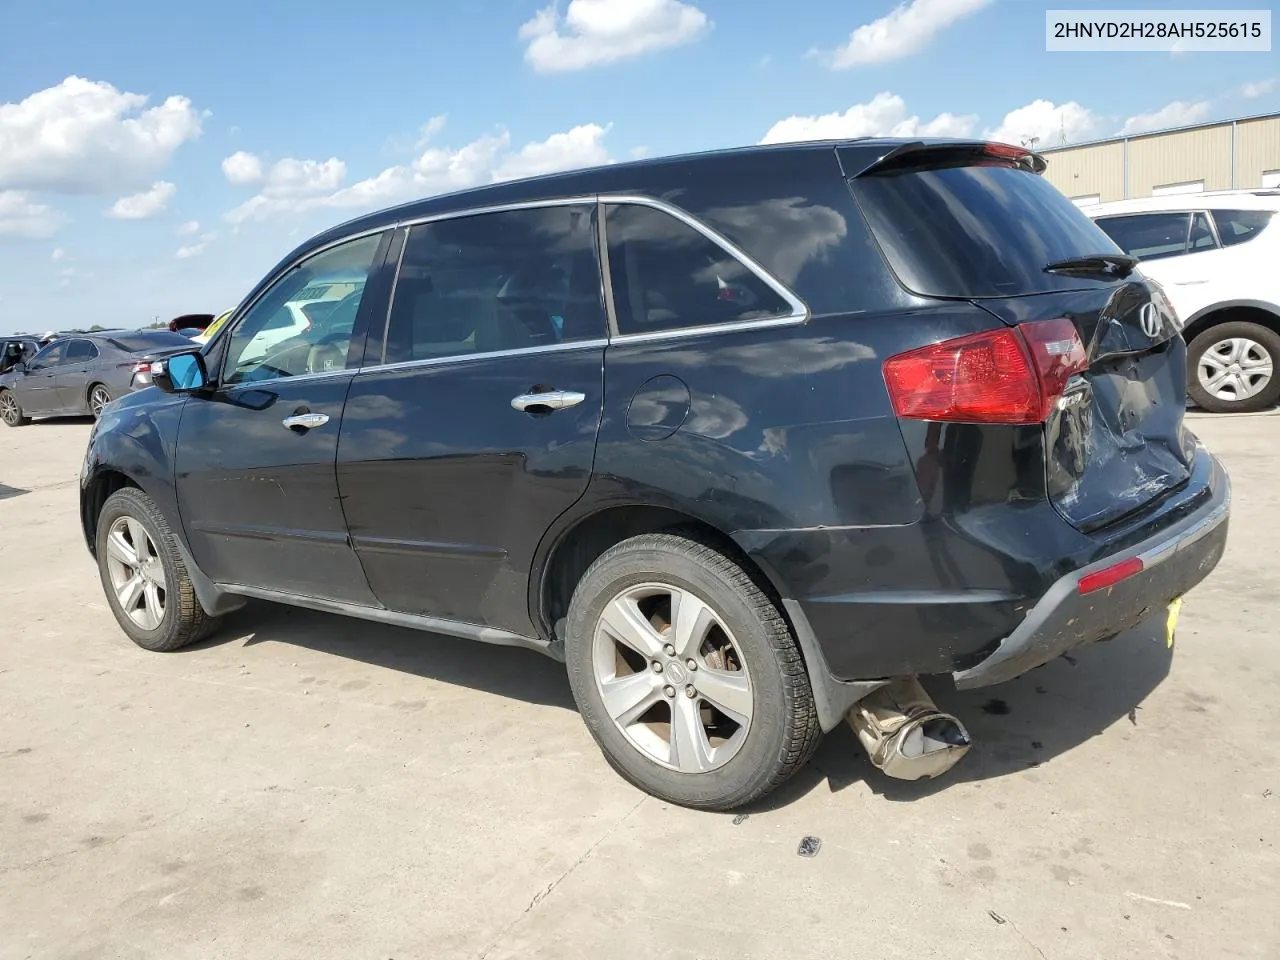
pixel 78 375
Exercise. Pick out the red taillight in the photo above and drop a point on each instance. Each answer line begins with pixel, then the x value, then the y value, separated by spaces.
pixel 1109 577
pixel 997 376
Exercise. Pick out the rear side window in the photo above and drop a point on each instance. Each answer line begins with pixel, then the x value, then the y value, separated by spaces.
pixel 1149 236
pixel 667 275
pixel 81 351
pixel 977 231
pixel 1239 226
pixel 491 282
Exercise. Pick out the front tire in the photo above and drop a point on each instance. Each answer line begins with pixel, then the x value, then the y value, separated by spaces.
pixel 144 577
pixel 11 411
pixel 1233 368
pixel 687 675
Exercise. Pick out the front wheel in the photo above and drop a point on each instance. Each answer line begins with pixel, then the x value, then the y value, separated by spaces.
pixel 1233 368
pixel 10 410
pixel 687 675
pixel 144 576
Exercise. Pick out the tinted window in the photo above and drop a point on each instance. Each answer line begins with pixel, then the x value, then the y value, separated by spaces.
pixel 1237 226
pixel 80 351
pixel 497 281
pixel 1201 235
pixel 142 341
pixel 273 339
pixel 669 276
pixel 976 231
pixel 50 356
pixel 1149 236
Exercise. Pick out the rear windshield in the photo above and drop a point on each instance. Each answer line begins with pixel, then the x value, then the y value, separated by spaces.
pixel 977 231
pixel 138 342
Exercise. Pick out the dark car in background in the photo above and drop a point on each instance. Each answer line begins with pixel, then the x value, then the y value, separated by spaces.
pixel 749 440
pixel 81 374
pixel 15 350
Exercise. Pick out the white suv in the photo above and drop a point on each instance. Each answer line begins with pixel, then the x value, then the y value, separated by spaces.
pixel 1218 257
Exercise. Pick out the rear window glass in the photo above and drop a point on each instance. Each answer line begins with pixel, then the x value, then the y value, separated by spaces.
pixel 1237 226
pixel 133 342
pixel 977 231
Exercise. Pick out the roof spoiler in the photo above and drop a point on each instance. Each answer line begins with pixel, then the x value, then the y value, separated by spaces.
pixel 921 154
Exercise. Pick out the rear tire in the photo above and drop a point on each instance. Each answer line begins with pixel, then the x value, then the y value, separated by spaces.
pixel 99 396
pixel 711 711
pixel 11 411
pixel 144 577
pixel 1232 368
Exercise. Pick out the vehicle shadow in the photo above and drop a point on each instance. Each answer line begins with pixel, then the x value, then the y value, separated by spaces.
pixel 500 671
pixel 1015 726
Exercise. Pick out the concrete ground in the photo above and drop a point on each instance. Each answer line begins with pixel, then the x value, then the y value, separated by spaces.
pixel 308 786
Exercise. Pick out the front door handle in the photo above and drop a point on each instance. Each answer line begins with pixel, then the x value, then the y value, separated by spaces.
pixel 305 421
pixel 552 400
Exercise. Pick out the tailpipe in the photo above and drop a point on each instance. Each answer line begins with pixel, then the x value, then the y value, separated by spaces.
pixel 904 732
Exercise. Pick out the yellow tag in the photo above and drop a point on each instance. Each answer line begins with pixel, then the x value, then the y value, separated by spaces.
pixel 1172 622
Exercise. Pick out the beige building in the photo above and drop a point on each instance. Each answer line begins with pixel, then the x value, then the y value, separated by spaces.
pixel 1226 155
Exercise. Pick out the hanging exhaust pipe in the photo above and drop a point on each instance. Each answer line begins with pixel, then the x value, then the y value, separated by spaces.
pixel 904 732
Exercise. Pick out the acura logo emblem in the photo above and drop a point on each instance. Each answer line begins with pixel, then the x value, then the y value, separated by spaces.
pixel 1150 320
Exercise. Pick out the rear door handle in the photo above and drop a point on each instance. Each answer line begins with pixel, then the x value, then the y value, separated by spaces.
pixel 305 421
pixel 552 400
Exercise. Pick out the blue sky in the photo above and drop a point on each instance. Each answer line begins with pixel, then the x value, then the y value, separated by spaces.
pixel 158 159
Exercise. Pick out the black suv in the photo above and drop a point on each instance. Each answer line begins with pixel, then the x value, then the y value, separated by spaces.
pixel 743 438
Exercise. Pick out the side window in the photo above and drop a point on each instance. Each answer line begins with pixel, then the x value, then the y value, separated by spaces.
pixel 50 356
pixel 1239 226
pixel 276 339
pixel 667 275
pixel 510 280
pixel 1149 236
pixel 81 351
pixel 1201 235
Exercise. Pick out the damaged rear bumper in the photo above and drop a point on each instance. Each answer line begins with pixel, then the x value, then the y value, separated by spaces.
pixel 1173 562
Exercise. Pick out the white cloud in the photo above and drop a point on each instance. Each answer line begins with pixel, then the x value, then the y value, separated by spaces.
pixel 1174 114
pixel 595 32
pixel 188 228
pixel 1047 122
pixel 242 168
pixel 907 29
pixel 22 217
pixel 884 116
pixel 430 129
pixel 438 169
pixel 186 253
pixel 145 205
pixel 83 136
pixel 1259 88
pixel 582 146
pixel 58 254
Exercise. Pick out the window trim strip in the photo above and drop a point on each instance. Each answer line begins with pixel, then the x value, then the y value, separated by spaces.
pixel 800 312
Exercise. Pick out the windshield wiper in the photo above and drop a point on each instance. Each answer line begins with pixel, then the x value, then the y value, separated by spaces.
pixel 1106 266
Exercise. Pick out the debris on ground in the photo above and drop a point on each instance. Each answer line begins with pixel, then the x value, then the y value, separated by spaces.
pixel 996 917
pixel 809 847
pixel 739 818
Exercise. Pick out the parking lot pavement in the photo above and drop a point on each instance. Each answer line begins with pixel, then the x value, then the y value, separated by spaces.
pixel 308 786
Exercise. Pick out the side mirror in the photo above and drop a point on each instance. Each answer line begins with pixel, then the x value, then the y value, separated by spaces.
pixel 180 373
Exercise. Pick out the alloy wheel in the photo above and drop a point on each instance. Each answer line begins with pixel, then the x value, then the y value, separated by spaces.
pixel 672 678
pixel 137 573
pixel 1235 369
pixel 98 399
pixel 8 409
